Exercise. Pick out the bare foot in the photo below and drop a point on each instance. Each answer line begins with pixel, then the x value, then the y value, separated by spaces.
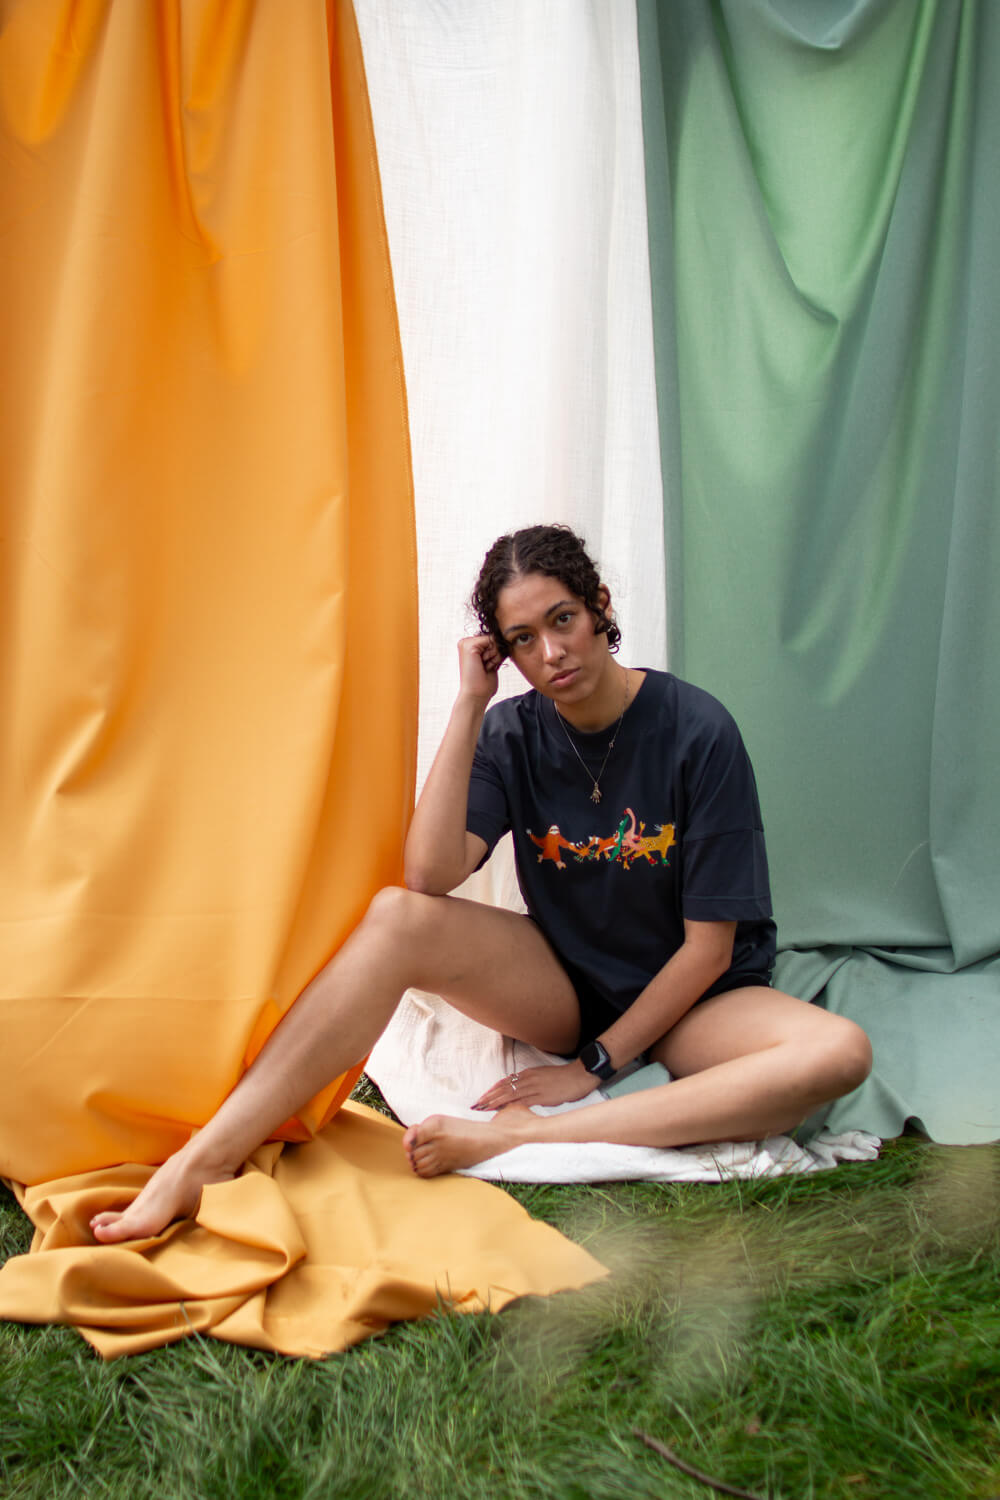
pixel 443 1144
pixel 173 1192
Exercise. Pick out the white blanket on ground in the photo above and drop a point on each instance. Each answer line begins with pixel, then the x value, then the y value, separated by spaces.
pixel 432 1060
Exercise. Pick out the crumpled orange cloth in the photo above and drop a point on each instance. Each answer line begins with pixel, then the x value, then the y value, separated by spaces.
pixel 208 660
pixel 311 1249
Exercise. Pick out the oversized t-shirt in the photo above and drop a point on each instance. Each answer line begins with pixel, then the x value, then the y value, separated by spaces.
pixel 677 832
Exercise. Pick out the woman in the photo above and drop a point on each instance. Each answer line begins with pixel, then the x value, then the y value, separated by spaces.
pixel 640 853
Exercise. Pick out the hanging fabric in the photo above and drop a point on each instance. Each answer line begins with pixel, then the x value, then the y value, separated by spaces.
pixel 824 215
pixel 208 666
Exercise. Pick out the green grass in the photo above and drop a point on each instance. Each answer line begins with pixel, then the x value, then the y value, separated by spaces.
pixel 828 1336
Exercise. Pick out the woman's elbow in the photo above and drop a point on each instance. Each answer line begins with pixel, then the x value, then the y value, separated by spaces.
pixel 425 880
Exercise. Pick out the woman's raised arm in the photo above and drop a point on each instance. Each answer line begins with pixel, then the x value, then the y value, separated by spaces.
pixel 440 852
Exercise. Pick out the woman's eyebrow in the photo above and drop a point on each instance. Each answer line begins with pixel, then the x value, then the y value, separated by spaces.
pixel 552 610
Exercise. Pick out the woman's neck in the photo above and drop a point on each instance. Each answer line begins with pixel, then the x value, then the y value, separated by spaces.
pixel 607 704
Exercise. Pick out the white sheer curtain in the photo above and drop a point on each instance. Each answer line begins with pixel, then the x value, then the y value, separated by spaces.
pixel 510 149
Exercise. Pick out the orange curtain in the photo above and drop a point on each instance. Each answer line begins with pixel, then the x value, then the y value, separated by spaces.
pixel 208 659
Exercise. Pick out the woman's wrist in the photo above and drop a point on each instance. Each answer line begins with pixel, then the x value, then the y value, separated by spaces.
pixel 596 1061
pixel 471 703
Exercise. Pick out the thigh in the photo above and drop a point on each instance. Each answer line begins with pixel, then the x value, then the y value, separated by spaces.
pixel 742 1021
pixel 495 966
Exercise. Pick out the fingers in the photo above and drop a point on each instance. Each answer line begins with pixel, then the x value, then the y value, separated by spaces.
pixel 479 662
pixel 490 656
pixel 484 647
pixel 517 1088
pixel 493 1100
pixel 507 1091
pixel 552 1084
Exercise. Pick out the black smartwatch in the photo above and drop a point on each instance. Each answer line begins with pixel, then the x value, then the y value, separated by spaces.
pixel 596 1060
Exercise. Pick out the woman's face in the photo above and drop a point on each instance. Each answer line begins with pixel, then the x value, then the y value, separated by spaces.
pixel 550 633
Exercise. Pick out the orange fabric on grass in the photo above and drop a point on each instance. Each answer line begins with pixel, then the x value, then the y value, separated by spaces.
pixel 311 1249
pixel 208 664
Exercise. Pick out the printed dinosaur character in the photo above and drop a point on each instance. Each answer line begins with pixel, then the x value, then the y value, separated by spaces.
pixel 552 846
pixel 647 848
pixel 625 839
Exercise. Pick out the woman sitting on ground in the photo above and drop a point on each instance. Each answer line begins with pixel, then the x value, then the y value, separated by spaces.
pixel 640 855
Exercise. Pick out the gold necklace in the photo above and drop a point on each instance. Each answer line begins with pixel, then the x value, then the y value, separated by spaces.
pixel 595 795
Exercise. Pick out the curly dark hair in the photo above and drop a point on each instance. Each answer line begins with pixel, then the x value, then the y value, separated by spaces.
pixel 555 551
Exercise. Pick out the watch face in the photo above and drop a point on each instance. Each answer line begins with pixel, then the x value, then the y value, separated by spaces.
pixel 596 1060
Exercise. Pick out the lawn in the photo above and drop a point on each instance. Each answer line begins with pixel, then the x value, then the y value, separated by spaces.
pixel 829 1336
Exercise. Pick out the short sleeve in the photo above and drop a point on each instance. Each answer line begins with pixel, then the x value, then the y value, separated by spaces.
pixel 725 876
pixel 487 814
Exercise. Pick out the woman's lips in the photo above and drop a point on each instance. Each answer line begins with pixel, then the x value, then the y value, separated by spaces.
pixel 562 678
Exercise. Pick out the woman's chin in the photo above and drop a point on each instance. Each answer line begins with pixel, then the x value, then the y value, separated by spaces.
pixel 568 687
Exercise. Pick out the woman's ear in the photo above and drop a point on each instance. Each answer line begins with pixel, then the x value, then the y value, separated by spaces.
pixel 602 610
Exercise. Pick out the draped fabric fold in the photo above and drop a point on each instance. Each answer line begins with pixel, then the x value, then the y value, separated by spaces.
pixel 311 1249
pixel 823 226
pixel 208 663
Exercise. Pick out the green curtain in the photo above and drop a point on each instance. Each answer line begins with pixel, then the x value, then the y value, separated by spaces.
pixel 824 210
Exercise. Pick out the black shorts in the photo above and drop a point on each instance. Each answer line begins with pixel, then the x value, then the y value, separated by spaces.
pixel 597 1012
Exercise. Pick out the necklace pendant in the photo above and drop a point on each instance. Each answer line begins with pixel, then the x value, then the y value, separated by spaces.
pixel 595 795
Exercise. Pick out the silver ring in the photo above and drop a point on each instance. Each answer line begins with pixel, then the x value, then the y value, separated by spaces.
pixel 512 1080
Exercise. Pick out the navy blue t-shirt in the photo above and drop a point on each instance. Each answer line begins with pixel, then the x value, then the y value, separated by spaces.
pixel 677 832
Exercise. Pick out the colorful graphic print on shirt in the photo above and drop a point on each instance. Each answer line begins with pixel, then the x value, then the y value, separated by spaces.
pixel 628 843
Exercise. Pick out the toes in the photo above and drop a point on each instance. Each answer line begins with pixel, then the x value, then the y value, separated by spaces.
pixel 425 1161
pixel 111 1230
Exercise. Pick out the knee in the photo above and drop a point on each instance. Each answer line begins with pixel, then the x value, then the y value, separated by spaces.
pixel 402 914
pixel 847 1060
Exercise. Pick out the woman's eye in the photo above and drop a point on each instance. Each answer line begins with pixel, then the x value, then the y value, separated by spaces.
pixel 565 617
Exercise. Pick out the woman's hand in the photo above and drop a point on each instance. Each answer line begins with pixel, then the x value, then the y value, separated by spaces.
pixel 553 1084
pixel 479 662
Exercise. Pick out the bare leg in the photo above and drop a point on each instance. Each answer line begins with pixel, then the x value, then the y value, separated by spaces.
pixel 491 964
pixel 747 1064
